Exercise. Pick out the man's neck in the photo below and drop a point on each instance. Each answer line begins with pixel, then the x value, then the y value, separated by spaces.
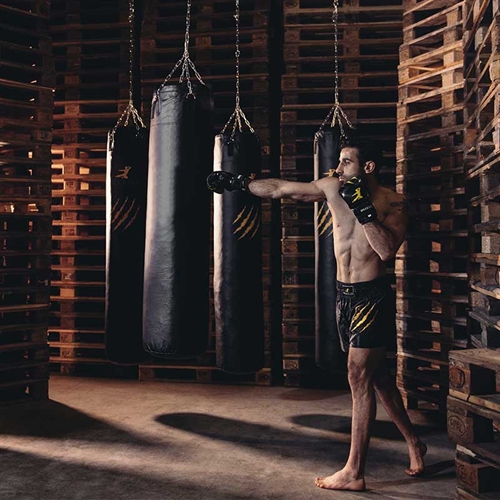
pixel 373 185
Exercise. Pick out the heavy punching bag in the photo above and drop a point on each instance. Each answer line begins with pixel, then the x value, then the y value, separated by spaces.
pixel 329 354
pixel 126 184
pixel 238 302
pixel 176 273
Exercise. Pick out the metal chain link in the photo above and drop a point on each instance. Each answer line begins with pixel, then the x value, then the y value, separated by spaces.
pixel 335 19
pixel 130 111
pixel 185 61
pixel 336 114
pixel 238 113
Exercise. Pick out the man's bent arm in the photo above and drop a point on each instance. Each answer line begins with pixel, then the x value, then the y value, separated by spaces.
pixel 386 238
pixel 278 188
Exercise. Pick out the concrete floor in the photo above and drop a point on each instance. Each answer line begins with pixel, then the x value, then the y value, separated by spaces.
pixel 128 440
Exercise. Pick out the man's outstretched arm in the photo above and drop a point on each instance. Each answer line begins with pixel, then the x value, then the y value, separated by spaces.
pixel 278 188
pixel 266 188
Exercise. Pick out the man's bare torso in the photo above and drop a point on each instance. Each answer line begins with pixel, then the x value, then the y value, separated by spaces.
pixel 356 259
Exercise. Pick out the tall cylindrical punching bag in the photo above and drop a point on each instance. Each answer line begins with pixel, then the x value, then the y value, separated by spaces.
pixel 239 321
pixel 126 185
pixel 176 273
pixel 329 354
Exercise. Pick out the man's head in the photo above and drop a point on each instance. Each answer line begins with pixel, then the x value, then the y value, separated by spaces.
pixel 358 159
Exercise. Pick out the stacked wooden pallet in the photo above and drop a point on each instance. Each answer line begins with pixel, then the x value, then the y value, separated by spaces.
pixel 91 46
pixel 482 160
pixel 212 49
pixel 369 39
pixel 474 422
pixel 26 83
pixel 431 268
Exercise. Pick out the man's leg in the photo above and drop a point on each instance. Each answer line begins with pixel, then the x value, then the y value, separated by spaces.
pixel 390 398
pixel 363 364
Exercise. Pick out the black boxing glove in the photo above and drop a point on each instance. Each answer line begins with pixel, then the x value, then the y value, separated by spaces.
pixel 357 197
pixel 219 180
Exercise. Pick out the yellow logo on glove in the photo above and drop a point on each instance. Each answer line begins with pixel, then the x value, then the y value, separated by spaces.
pixel 357 195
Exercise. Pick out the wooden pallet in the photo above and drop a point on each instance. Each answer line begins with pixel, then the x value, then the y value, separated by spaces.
pixel 25 127
pixel 90 367
pixel 205 22
pixel 481 159
pixel 191 373
pixel 473 406
pixel 475 479
pixel 65 13
pixel 472 425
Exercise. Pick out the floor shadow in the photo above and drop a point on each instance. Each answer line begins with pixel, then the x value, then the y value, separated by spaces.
pixel 30 477
pixel 264 438
pixel 342 424
pixel 438 467
pixel 53 420
pixel 434 472
pixel 309 395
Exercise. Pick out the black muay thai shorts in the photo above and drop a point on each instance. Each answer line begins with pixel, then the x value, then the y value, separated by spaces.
pixel 366 314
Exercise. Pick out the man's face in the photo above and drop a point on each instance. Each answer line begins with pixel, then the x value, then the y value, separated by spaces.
pixel 349 165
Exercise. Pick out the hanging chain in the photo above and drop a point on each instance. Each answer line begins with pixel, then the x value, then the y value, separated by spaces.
pixel 185 61
pixel 238 113
pixel 130 111
pixel 336 114
pixel 335 20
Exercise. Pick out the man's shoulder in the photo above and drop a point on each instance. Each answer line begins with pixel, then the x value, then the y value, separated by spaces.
pixel 396 202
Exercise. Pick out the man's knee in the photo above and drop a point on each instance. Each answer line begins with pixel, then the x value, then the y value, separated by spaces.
pixel 358 375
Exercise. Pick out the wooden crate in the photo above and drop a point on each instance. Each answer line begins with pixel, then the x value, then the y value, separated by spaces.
pixel 474 417
pixel 25 219
pixel 474 477
pixel 481 160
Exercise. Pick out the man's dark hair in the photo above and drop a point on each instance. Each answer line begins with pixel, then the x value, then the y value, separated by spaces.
pixel 367 151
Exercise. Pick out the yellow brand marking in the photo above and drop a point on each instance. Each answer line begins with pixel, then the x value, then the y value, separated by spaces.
pixel 124 173
pixel 357 195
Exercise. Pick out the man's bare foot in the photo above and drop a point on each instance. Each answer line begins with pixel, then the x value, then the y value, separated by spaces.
pixel 341 480
pixel 417 454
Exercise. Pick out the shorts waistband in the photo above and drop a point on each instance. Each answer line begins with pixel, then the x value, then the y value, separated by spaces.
pixel 363 287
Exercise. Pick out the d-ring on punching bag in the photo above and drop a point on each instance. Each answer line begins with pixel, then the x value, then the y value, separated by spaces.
pixel 126 185
pixel 239 317
pixel 176 275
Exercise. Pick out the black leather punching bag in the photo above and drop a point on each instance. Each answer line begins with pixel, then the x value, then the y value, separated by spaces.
pixel 329 354
pixel 126 184
pixel 239 317
pixel 176 273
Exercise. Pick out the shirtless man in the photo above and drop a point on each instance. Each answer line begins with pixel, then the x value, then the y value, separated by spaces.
pixel 369 223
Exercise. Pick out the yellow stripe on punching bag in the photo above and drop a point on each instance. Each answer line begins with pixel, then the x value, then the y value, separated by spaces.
pixel 126 184
pixel 329 354
pixel 239 317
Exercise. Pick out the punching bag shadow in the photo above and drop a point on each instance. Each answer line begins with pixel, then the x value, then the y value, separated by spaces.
pixel 176 274
pixel 126 183
pixel 239 321
pixel 329 354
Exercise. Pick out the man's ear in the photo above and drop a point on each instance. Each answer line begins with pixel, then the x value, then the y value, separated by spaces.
pixel 369 167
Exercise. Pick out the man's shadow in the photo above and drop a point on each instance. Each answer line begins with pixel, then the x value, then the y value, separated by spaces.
pixel 53 420
pixel 267 439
